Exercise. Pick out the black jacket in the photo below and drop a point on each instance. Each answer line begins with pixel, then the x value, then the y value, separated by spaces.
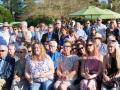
pixel 8 71
pixel 45 37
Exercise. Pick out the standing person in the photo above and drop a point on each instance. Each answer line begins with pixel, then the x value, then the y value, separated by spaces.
pixel 118 27
pixel 91 67
pixel 32 30
pixel 87 28
pixel 4 33
pixel 50 35
pixel 19 80
pixel 112 30
pixel 7 64
pixel 101 28
pixel 67 68
pixel 93 33
pixel 39 69
pixel 26 33
pixel 39 31
pixel 58 26
pixel 64 35
pixel 111 68
pixel 79 31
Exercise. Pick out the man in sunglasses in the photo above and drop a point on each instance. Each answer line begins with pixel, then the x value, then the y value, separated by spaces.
pixel 6 68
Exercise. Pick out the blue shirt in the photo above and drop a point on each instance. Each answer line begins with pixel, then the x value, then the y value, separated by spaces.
pixel 54 57
pixel 50 36
pixel 2 62
pixel 62 39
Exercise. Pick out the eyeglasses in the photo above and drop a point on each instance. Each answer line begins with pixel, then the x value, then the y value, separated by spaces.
pixel 66 46
pixel 98 20
pixel 89 45
pixel 80 48
pixel 97 38
pixel 29 51
pixel 50 27
pixel 2 50
pixel 110 46
pixel 52 46
pixel 20 52
pixel 113 40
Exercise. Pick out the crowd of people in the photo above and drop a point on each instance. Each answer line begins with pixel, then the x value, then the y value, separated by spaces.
pixel 59 56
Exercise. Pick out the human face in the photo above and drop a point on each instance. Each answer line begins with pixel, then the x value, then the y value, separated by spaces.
pixel 81 49
pixel 52 48
pixel 22 53
pixel 90 47
pixel 111 48
pixel 64 31
pixel 67 47
pixel 30 51
pixel 50 28
pixel 111 39
pixel 36 49
pixel 3 51
pixel 11 50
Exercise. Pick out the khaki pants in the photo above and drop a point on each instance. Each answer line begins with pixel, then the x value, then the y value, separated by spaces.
pixel 2 83
pixel 63 85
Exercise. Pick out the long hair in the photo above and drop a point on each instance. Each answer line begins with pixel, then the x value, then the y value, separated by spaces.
pixel 42 54
pixel 95 51
pixel 117 53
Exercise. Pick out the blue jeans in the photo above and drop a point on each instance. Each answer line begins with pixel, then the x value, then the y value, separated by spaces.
pixel 47 85
pixel 104 88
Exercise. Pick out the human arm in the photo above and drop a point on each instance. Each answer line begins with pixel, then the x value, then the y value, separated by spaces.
pixel 51 69
pixel 105 62
pixel 73 71
pixel 27 74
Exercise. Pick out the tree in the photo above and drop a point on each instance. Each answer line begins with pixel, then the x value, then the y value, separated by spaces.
pixel 5 15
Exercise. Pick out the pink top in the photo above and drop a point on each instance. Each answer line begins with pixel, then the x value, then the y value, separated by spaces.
pixel 92 64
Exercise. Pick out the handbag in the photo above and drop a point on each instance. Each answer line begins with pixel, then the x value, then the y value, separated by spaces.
pixel 114 82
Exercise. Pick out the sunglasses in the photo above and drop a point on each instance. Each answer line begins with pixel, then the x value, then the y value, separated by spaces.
pixel 29 51
pixel 52 46
pixel 20 52
pixel 89 45
pixel 113 40
pixel 97 38
pixel 66 46
pixel 81 48
pixel 2 50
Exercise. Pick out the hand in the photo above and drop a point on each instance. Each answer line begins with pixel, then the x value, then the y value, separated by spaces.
pixel 16 77
pixel 63 77
pixel 106 78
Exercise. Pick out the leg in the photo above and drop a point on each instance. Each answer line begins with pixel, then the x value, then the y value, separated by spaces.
pixel 35 86
pixel 92 84
pixel 83 84
pixel 57 84
pixel 2 83
pixel 65 85
pixel 47 85
pixel 103 87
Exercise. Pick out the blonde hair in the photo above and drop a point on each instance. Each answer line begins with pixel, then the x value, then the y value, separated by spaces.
pixel 117 53
pixel 42 54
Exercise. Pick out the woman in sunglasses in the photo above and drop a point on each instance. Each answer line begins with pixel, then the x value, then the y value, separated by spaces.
pixel 67 68
pixel 111 68
pixel 19 80
pixel 90 67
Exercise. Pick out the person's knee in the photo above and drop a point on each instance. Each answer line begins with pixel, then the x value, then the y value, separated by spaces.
pixel 92 85
pixel 57 84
